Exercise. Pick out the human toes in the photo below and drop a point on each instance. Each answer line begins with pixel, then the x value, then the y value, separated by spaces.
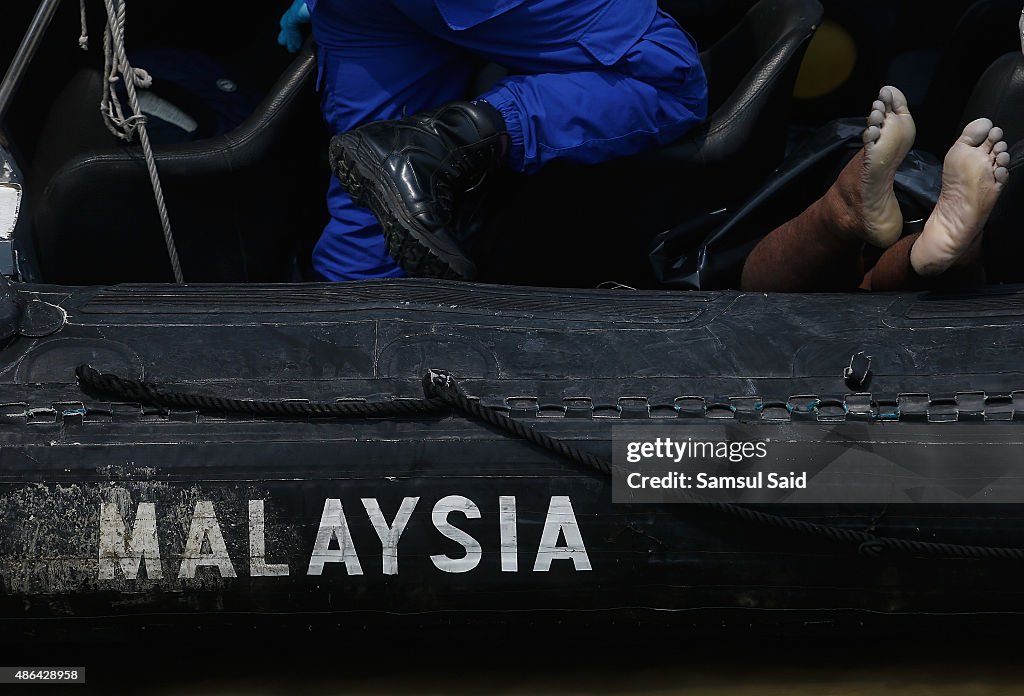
pixel 875 120
pixel 894 100
pixel 976 132
pixel 885 96
pixel 877 115
pixel 995 136
pixel 1002 170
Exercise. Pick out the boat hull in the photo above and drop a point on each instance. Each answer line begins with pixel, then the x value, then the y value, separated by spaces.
pixel 123 513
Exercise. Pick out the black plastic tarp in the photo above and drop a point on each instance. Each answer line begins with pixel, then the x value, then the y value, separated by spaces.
pixel 708 252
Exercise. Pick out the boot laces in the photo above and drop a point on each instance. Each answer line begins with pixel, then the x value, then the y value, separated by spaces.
pixel 465 172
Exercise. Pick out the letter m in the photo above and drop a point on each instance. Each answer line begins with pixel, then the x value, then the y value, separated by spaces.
pixel 127 549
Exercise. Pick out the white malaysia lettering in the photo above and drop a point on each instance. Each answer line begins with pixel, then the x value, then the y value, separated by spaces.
pixel 334 527
pixel 389 534
pixel 561 521
pixel 129 547
pixel 205 528
pixel 509 539
pixel 443 508
pixel 127 550
pixel 258 566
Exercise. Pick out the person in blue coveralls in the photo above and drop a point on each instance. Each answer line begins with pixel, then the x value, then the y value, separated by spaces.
pixel 590 81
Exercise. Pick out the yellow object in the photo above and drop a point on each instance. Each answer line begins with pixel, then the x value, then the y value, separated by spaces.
pixel 829 62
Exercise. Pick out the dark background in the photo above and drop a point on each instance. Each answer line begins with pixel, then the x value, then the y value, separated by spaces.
pixel 555 662
pixel 934 51
pixel 244 35
pixel 887 35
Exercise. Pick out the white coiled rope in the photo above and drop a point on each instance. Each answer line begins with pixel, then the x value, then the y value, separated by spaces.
pixel 116 68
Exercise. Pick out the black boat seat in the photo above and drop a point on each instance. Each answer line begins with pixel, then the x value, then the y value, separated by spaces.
pixel 230 197
pixel 999 95
pixel 1003 242
pixel 986 30
pixel 751 73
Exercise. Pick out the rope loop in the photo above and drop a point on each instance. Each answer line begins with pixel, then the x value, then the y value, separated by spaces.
pixel 873 548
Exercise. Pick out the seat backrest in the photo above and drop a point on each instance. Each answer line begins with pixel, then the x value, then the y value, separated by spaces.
pixel 999 95
pixel 986 30
pixel 752 71
pixel 1004 233
pixel 94 217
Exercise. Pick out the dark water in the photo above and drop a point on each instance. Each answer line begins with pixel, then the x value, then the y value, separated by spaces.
pixel 957 664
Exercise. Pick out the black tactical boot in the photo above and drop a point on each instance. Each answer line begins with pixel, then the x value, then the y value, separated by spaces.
pixel 414 174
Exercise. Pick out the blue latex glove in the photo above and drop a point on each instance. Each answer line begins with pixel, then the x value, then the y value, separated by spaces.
pixel 291 23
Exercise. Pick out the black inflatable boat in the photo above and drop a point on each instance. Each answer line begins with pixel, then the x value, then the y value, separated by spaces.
pixel 262 454
pixel 128 510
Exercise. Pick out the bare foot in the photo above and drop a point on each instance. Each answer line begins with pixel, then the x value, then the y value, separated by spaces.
pixel 887 140
pixel 973 176
pixel 867 208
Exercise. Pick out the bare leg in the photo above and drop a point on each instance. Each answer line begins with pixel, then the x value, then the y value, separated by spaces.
pixel 895 272
pixel 820 249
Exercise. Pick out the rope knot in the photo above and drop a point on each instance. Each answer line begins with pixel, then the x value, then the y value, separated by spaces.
pixel 438 382
pixel 872 549
pixel 142 78
pixel 83 40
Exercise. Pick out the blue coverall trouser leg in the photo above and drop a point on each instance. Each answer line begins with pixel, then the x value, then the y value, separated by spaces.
pixel 592 80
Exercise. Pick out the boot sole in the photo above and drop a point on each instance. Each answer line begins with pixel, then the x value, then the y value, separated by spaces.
pixel 410 244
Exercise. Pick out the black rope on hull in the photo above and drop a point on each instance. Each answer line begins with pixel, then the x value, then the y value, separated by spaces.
pixel 143 392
